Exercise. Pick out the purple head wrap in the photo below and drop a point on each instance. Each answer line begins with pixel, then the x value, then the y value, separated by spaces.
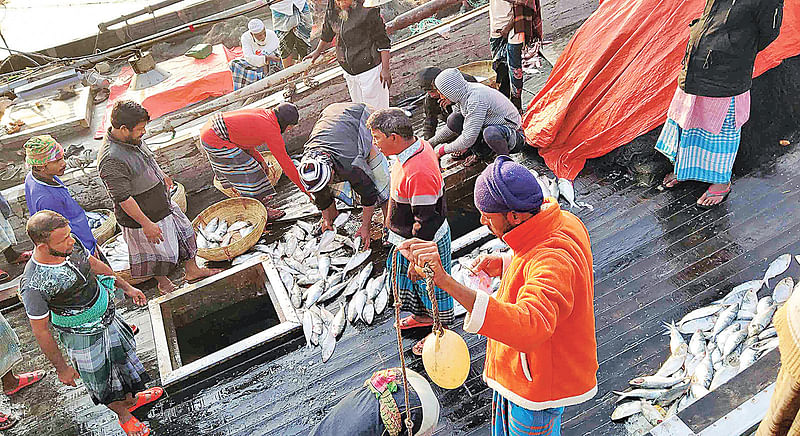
pixel 506 186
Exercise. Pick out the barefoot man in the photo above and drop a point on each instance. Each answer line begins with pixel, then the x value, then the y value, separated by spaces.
pixel 541 353
pixel 66 286
pixel 158 234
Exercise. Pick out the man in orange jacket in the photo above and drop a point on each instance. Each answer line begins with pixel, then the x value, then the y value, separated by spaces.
pixel 541 352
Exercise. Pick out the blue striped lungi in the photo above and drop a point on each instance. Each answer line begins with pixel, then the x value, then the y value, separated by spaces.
pixel 414 295
pixel 234 167
pixel 701 155
pixel 508 419
pixel 244 74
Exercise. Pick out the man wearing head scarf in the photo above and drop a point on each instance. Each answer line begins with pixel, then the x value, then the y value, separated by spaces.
pixel 44 190
pixel 259 55
pixel 340 158
pixel 483 120
pixel 434 106
pixel 541 352
pixel 362 49
pixel 230 140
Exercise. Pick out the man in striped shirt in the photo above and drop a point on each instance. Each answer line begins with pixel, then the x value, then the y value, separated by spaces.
pixel 417 209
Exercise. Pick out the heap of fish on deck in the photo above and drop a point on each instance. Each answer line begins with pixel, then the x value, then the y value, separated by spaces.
pixel 725 338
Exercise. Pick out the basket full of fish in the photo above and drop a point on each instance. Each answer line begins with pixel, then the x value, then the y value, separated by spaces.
pixel 103 224
pixel 229 228
pixel 724 338
pixel 116 252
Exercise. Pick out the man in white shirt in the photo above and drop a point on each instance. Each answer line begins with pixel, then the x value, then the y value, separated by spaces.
pixel 506 46
pixel 292 21
pixel 259 47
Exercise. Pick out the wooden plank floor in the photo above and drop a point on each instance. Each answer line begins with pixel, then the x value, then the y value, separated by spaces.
pixel 656 257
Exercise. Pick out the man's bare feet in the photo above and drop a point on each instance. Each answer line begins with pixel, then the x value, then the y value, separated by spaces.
pixel 165 285
pixel 670 180
pixel 201 273
pixel 714 195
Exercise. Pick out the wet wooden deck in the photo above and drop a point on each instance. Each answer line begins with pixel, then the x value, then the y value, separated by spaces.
pixel 656 257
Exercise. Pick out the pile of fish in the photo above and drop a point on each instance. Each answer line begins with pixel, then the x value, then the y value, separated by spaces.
pixel 217 233
pixel 725 338
pixel 327 269
pixel 116 251
pixel 556 187
pixel 96 219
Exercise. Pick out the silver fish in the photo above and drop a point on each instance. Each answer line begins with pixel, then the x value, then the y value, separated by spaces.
pixel 332 292
pixel 767 345
pixel 381 300
pixel 704 324
pixel 733 341
pixel 647 394
pixel 764 303
pixel 655 382
pixel 625 410
pixel 262 249
pixel 291 244
pixel 567 190
pixel 295 265
pixel 544 186
pixel 328 344
pixel 770 332
pixel 296 295
pixel 494 244
pixel 341 219
pixel 308 327
pixel 356 243
pixel 324 266
pixel 553 187
pixel 306 227
pixel 327 237
pixel 725 319
pixel 674 392
pixel 747 358
pixel 691 363
pixel 340 260
pixel 314 292
pixel 212 225
pixel 777 267
pixel 334 279
pixel 749 302
pixel 356 260
pixel 238 225
pixel 783 290
pixel 704 372
pixel 202 242
pixel 358 302
pixel 363 276
pixel 725 333
pixel 675 338
pixel 652 413
pixel 226 240
pixel 222 228
pixel 368 313
pixel 761 321
pixel 330 248
pixel 339 321
pixel 697 343
pixel 736 294
pixel 309 279
pixel 702 312
pixel 674 362
pixel 686 401
pixel 729 369
pixel 351 288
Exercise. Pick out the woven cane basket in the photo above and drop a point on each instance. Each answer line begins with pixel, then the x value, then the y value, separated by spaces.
pixel 232 210
pixel 482 71
pixel 107 229
pixel 274 173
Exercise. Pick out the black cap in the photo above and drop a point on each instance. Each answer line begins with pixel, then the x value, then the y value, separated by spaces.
pixel 427 76
pixel 287 114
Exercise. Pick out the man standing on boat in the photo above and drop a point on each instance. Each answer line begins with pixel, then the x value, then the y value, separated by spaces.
pixel 483 121
pixel 339 158
pixel 362 49
pixel 158 234
pixel 417 209
pixel 541 352
pixel 64 285
pixel 259 55
pixel 292 21
pixel 230 140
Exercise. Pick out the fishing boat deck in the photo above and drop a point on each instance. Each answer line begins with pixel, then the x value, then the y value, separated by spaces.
pixel 656 257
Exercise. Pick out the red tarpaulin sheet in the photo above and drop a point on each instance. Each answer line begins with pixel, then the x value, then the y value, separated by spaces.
pixel 191 80
pixel 616 77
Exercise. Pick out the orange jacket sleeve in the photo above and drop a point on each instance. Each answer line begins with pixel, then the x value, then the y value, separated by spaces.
pixel 542 302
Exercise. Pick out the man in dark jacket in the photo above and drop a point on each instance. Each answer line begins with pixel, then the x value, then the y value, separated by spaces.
pixel 435 106
pixel 339 158
pixel 704 121
pixel 362 49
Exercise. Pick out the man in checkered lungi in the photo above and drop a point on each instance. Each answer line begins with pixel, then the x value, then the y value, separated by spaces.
pixel 259 55
pixel 66 286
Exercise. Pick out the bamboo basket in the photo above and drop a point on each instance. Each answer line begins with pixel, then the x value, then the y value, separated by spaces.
pixel 179 197
pixel 107 229
pixel 232 210
pixel 274 172
pixel 482 71
pixel 125 274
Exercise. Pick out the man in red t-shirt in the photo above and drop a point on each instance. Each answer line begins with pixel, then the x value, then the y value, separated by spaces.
pixel 231 140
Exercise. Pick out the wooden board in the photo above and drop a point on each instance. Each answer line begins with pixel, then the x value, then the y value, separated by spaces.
pixel 47 115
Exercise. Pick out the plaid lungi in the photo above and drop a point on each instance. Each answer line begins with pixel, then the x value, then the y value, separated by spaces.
pixel 508 419
pixel 244 74
pixel 10 353
pixel 414 295
pixel 701 155
pixel 179 245
pixel 107 362
pixel 293 31
pixel 234 167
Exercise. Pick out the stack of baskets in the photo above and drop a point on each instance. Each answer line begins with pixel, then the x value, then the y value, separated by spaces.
pixel 107 229
pixel 273 174
pixel 232 210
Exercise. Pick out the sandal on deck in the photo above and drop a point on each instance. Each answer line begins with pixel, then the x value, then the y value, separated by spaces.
pixel 7 421
pixel 26 380
pixel 142 397
pixel 134 425
pixel 724 194
pixel 417 348
pixel 410 322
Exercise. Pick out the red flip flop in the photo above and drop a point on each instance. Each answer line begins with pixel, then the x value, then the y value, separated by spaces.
pixel 141 397
pixel 26 380
pixel 134 329
pixel 134 425
pixel 410 322
pixel 7 421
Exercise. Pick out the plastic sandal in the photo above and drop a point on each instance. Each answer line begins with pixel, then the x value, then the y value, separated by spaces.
pixel 724 194
pixel 26 380
pixel 7 421
pixel 134 425
pixel 410 322
pixel 417 348
pixel 141 397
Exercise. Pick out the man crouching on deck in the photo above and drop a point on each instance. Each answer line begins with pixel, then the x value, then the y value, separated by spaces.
pixel 541 353
pixel 64 285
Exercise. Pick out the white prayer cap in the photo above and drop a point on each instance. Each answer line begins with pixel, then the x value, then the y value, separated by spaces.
pixel 255 25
